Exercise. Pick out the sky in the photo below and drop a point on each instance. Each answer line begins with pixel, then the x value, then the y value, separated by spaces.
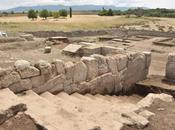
pixel 5 4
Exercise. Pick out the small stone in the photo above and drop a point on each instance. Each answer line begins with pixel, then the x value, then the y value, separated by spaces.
pixel 47 49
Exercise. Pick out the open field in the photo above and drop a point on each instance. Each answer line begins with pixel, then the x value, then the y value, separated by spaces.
pixel 78 22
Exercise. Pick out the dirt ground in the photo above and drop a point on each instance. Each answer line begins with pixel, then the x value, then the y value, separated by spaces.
pixel 163 119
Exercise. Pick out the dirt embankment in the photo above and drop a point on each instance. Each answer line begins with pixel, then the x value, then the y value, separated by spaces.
pixel 117 31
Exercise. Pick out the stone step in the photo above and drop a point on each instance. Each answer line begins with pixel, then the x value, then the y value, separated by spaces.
pixel 48 111
pixel 71 107
pixel 8 99
pixel 93 111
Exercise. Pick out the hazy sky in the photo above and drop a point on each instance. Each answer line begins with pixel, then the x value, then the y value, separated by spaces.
pixel 4 4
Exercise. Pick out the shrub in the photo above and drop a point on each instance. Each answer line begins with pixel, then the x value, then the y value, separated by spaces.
pixel 32 14
pixel 55 15
pixel 44 14
pixel 63 13
pixel 105 12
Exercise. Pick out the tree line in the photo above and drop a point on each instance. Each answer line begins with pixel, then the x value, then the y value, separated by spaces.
pixel 34 14
pixel 159 12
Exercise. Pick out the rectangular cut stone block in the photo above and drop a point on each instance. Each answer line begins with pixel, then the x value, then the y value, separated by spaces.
pixel 60 66
pixel 148 59
pixel 29 72
pixel 69 69
pixel 22 85
pixel 112 64
pixel 80 72
pixel 87 51
pixel 55 83
pixel 121 61
pixel 170 67
pixel 72 49
pixel 83 88
pixel 92 67
pixel 102 64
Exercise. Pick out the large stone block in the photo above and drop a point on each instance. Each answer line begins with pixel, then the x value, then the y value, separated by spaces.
pixel 135 72
pixel 60 66
pixel 71 88
pixel 112 64
pixel 118 84
pixel 53 85
pixel 69 69
pixel 102 64
pixel 92 67
pixel 148 59
pixel 45 69
pixel 80 72
pixel 25 69
pixel 8 77
pixel 170 67
pixel 104 84
pixel 22 85
pixel 38 81
pixel 121 61
pixel 83 88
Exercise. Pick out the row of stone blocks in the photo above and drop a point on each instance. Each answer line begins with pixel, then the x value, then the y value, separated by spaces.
pixel 94 74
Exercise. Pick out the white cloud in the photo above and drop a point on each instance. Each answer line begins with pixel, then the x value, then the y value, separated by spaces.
pixel 144 3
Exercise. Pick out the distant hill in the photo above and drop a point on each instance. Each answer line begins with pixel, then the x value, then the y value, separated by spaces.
pixel 74 7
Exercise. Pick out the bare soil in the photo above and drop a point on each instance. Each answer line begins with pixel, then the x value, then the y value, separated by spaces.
pixel 164 118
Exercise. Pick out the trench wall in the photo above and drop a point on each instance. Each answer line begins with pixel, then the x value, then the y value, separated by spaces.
pixel 116 32
pixel 95 74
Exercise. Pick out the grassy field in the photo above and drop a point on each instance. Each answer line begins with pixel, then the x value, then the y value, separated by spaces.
pixel 22 23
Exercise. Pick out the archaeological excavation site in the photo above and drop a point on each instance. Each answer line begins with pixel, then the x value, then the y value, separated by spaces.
pixel 115 79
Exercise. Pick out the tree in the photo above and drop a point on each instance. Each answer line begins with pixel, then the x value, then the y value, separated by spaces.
pixel 32 14
pixel 12 12
pixel 110 12
pixel 63 13
pixel 44 13
pixel 70 12
pixel 139 12
pixel 55 15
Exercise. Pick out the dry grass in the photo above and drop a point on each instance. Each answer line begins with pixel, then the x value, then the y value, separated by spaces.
pixel 22 23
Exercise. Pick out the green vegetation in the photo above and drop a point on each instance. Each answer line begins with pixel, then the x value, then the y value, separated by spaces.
pixel 63 13
pixel 32 14
pixel 55 15
pixel 169 13
pixel 105 12
pixel 44 14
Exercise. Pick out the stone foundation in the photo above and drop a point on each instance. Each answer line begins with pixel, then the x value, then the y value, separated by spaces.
pixel 95 74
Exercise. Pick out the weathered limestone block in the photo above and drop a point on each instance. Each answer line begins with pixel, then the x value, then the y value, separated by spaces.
pixel 8 77
pixel 104 84
pixel 53 85
pixel 45 69
pixel 25 69
pixel 118 84
pixel 121 61
pixel 71 88
pixel 102 64
pixel 83 88
pixel 108 83
pixel 80 72
pixel 69 69
pixel 60 66
pixel 135 72
pixel 112 64
pixel 28 37
pixel 137 120
pixel 22 85
pixel 38 81
pixel 148 59
pixel 92 67
pixel 47 49
pixel 170 67
pixel 150 98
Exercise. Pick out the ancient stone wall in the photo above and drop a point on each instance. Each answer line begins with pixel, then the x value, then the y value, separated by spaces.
pixel 95 74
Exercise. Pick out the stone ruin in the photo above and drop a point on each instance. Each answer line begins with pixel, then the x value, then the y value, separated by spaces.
pixel 94 74
pixel 170 67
